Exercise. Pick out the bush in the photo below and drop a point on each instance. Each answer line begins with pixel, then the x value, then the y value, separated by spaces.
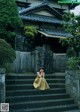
pixel 30 33
pixel 30 29
pixel 8 68
pixel 71 52
pixel 73 63
pixel 7 54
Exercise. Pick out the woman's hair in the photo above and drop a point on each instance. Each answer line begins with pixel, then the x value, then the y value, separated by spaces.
pixel 41 68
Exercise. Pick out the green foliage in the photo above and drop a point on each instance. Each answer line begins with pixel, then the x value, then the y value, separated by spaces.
pixel 71 24
pixel 71 52
pixel 73 45
pixel 9 19
pixel 30 31
pixel 7 54
pixel 8 68
pixel 30 34
pixel 67 16
pixel 73 63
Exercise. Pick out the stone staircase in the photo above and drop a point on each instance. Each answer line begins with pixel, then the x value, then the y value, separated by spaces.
pixel 24 98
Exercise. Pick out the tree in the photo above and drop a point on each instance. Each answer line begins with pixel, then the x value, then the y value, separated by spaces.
pixel 30 33
pixel 9 20
pixel 7 54
pixel 71 24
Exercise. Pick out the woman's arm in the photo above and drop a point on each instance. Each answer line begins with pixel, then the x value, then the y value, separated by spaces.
pixel 38 74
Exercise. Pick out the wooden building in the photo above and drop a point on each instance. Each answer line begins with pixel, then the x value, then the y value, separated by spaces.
pixel 46 16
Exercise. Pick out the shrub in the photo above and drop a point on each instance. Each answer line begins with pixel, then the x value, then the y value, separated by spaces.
pixel 73 63
pixel 8 68
pixel 7 54
pixel 30 33
pixel 30 29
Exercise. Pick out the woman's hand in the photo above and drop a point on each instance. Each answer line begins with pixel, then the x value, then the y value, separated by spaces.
pixel 38 74
pixel 41 75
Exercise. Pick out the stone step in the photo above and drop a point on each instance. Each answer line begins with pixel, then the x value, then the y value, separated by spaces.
pixel 42 104
pixel 37 97
pixel 22 97
pixel 78 110
pixel 32 76
pixel 30 81
pixel 30 86
pixel 60 108
pixel 34 92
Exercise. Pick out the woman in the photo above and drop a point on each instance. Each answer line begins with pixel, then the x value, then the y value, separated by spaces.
pixel 40 82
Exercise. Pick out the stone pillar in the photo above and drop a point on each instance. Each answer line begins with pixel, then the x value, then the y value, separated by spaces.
pixel 42 57
pixel 72 81
pixel 2 85
pixel 36 60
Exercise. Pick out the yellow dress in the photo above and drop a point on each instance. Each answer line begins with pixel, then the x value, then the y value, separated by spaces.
pixel 40 83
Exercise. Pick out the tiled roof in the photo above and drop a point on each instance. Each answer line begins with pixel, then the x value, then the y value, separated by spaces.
pixel 40 18
pixel 30 8
pixel 56 32
pixel 41 5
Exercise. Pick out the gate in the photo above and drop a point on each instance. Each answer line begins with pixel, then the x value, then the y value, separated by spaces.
pixel 52 62
pixel 48 62
pixel 44 58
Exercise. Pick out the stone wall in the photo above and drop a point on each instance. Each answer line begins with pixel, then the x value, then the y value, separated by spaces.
pixel 2 85
pixel 73 85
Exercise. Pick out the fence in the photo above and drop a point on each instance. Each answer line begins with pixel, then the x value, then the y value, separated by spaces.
pixel 32 61
pixel 24 62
